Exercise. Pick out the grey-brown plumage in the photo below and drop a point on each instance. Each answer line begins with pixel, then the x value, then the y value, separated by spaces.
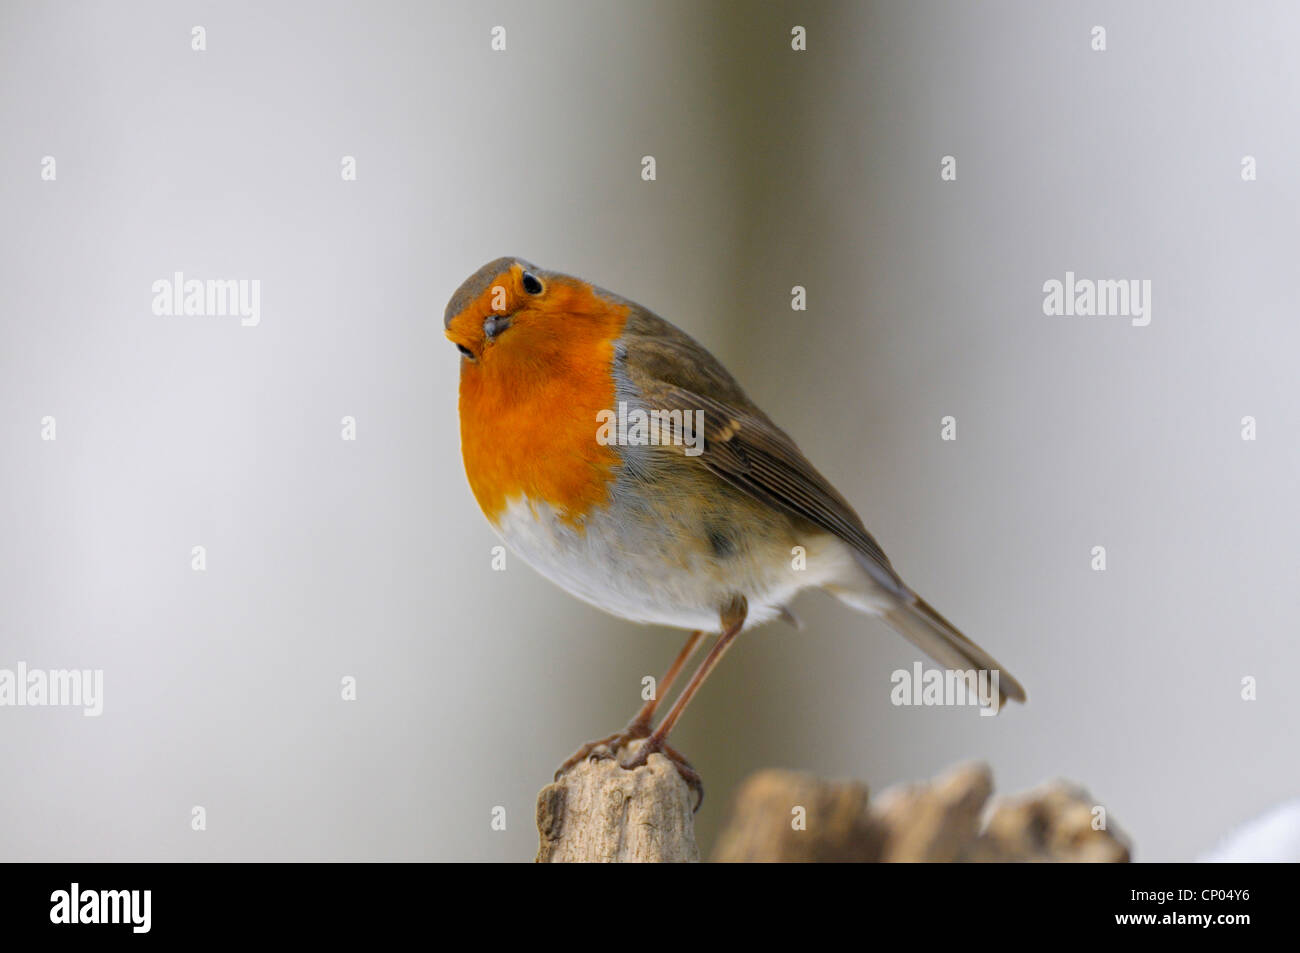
pixel 744 448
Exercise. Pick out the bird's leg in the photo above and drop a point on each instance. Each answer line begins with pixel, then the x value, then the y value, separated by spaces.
pixel 733 620
pixel 639 726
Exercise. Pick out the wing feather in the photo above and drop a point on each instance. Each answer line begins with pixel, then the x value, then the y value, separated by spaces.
pixel 741 445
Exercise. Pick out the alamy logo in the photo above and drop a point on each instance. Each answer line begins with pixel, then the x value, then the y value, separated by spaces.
pixel 57 687
pixel 948 688
pixel 651 428
pixel 1124 297
pixel 215 297
pixel 103 906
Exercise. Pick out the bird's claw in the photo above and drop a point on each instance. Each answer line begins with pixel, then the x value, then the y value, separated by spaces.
pixel 684 768
pixel 604 749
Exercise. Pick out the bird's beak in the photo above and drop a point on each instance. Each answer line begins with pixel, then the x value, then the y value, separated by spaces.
pixel 466 332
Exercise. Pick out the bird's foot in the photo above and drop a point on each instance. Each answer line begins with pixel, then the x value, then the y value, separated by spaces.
pixel 604 748
pixel 684 768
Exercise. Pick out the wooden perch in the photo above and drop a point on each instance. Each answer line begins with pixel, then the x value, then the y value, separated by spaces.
pixel 600 812
pixel 783 816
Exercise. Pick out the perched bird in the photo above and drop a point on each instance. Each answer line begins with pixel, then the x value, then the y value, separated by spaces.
pixel 617 456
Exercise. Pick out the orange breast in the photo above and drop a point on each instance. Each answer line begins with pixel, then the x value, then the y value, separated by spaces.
pixel 528 407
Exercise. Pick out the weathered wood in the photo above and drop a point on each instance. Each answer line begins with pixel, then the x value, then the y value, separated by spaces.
pixel 787 816
pixel 599 812
pixel 934 822
pixel 1055 822
pixel 938 821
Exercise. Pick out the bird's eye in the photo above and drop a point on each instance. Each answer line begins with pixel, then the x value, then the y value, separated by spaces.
pixel 532 284
pixel 466 352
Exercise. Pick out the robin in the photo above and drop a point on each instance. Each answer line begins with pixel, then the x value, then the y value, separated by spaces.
pixel 620 459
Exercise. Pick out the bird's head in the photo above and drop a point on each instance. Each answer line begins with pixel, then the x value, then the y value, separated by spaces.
pixel 511 309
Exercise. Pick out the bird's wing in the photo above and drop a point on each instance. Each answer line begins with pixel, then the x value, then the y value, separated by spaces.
pixel 741 445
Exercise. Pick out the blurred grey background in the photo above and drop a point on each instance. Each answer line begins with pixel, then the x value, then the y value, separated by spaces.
pixel 775 168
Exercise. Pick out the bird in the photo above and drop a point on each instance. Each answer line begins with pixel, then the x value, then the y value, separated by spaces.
pixel 618 457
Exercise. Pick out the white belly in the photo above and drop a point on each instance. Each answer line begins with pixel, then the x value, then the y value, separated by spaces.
pixel 638 570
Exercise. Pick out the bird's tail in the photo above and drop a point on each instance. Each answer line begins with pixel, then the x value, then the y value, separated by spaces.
pixel 934 635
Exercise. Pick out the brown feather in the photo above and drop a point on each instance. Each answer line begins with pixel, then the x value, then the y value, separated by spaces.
pixel 741 444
